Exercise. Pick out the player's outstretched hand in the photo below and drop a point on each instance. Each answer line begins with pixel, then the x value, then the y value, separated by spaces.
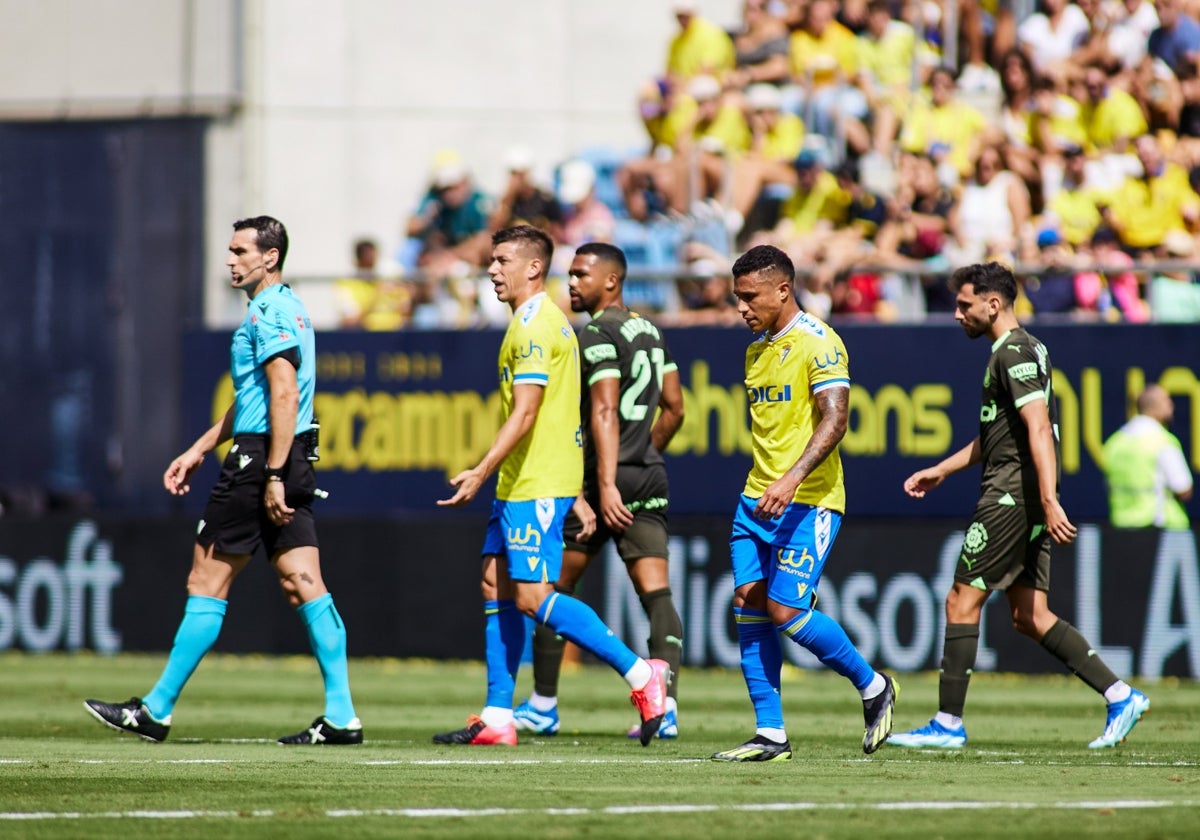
pixel 467 483
pixel 920 483
pixel 178 475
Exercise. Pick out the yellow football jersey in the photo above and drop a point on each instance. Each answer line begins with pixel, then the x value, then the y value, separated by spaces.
pixel 540 348
pixel 784 373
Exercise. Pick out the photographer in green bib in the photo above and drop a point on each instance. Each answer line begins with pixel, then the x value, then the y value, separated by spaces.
pixel 1148 476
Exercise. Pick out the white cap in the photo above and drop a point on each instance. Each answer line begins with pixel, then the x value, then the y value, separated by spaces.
pixel 685 6
pixel 448 169
pixel 519 159
pixel 764 97
pixel 575 180
pixel 702 88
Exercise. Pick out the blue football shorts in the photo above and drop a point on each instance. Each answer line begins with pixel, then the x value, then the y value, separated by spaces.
pixel 530 535
pixel 789 553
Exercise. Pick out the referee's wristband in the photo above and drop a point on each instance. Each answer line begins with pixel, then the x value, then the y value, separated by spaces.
pixel 274 474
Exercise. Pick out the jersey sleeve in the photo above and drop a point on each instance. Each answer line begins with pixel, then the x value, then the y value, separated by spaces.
pixel 828 362
pixel 599 355
pixel 1024 375
pixel 275 332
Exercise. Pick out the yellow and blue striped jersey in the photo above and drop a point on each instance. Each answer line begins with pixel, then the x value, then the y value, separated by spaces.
pixel 540 348
pixel 784 373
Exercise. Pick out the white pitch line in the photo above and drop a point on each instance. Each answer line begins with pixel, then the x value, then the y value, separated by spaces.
pixel 517 762
pixel 614 810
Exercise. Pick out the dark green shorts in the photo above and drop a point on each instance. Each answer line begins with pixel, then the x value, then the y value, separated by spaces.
pixel 644 491
pixel 1005 544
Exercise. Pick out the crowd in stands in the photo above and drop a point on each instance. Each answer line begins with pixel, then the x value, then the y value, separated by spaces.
pixel 1065 143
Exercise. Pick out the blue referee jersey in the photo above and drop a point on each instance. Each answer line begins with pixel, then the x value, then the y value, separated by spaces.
pixel 275 321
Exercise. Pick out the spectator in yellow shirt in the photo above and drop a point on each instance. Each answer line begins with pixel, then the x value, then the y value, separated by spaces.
pixel 1146 208
pixel 886 50
pixel 368 301
pixel 944 121
pixel 1076 206
pixel 700 47
pixel 823 56
pixel 1111 117
pixel 701 137
pixel 817 207
pixel 705 119
pixel 776 140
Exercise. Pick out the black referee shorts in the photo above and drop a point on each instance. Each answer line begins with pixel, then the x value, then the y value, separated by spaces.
pixel 235 520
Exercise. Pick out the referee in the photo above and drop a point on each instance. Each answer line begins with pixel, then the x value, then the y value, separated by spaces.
pixel 262 498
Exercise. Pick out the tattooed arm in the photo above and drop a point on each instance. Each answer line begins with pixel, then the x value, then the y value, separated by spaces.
pixel 834 406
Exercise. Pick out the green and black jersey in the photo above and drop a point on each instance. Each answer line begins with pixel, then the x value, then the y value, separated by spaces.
pixel 1018 372
pixel 623 345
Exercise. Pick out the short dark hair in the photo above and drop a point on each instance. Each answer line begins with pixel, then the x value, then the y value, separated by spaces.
pixel 987 277
pixel 270 234
pixel 607 253
pixel 528 236
pixel 363 245
pixel 765 258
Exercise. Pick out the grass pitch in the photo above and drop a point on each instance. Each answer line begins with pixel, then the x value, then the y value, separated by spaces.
pixel 1026 771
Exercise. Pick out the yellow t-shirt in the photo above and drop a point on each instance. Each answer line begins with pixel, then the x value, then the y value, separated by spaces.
pixel 1078 213
pixel 784 139
pixel 728 130
pixel 955 125
pixel 540 348
pixel 836 50
pixel 703 47
pixel 1116 117
pixel 826 201
pixel 1144 210
pixel 380 305
pixel 784 374
pixel 1064 124
pixel 888 61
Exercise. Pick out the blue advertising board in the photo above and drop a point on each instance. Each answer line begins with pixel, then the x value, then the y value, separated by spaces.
pixel 98 584
pixel 403 412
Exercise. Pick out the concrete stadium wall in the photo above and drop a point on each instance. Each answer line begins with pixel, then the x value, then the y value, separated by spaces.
pixel 327 114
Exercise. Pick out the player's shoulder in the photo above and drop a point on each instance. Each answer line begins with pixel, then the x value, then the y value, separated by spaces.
pixel 809 329
pixel 280 305
pixel 539 313
pixel 1019 343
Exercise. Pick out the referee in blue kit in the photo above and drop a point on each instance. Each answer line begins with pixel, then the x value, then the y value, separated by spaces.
pixel 262 498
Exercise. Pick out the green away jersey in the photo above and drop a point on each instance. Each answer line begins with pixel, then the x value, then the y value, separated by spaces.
pixel 622 345
pixel 1018 373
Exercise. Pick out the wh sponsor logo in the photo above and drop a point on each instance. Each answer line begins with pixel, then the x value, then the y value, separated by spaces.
pixel 825 361
pixel 530 351
pixel 530 537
